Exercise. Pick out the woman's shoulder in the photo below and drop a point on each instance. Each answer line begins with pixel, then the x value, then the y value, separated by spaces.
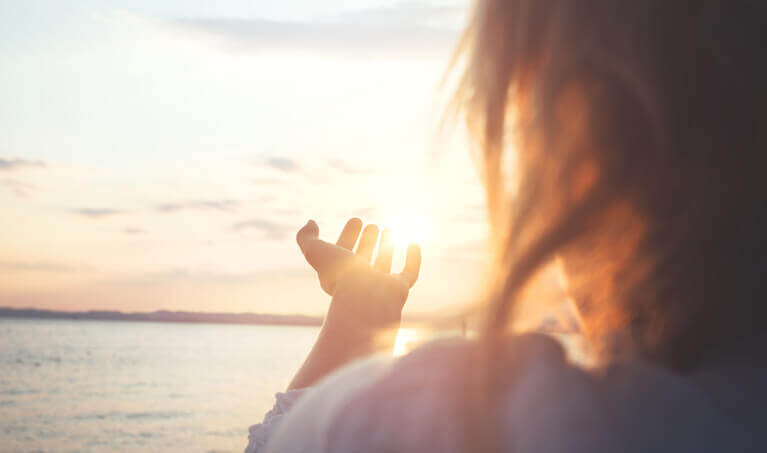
pixel 416 401
pixel 420 402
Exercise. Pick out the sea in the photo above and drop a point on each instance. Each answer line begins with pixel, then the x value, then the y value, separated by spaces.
pixel 124 386
pixel 82 385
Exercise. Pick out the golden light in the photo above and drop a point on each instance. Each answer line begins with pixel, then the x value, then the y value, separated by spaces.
pixel 406 340
pixel 408 227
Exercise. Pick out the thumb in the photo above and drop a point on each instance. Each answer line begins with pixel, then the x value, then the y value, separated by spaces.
pixel 317 253
pixel 310 232
pixel 322 256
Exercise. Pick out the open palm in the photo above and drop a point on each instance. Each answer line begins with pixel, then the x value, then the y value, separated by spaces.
pixel 367 299
pixel 331 260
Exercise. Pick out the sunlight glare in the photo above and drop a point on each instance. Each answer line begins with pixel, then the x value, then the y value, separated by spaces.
pixel 406 340
pixel 408 228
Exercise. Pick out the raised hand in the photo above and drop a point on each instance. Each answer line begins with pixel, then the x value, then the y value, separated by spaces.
pixel 367 301
pixel 331 260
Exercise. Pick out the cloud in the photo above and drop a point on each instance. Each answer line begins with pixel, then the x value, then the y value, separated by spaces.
pixel 15 164
pixel 413 13
pixel 97 212
pixel 10 266
pixel 271 229
pixel 366 213
pixel 343 167
pixel 19 188
pixel 267 181
pixel 283 164
pixel 404 29
pixel 180 275
pixel 131 230
pixel 205 205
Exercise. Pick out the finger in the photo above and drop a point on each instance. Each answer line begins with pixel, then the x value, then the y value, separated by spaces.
pixel 319 254
pixel 350 233
pixel 385 252
pixel 367 242
pixel 412 264
pixel 308 233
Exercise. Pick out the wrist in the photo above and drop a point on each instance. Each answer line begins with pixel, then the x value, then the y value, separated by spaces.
pixel 357 338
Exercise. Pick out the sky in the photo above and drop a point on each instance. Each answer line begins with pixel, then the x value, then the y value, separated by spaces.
pixel 162 155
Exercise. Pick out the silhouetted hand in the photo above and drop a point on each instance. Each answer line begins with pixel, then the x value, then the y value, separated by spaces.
pixel 366 306
pixel 330 260
pixel 371 294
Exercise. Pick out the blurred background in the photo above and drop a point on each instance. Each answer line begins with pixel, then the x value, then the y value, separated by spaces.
pixel 160 155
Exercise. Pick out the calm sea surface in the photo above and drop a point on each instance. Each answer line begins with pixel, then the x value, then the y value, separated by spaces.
pixel 131 386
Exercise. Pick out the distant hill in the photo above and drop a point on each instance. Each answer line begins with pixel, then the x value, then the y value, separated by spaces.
pixel 561 325
pixel 165 316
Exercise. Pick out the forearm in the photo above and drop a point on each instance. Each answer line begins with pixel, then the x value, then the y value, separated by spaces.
pixel 367 301
pixel 341 341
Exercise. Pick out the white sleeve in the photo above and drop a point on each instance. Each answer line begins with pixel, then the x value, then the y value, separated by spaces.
pixel 305 428
pixel 416 403
pixel 259 433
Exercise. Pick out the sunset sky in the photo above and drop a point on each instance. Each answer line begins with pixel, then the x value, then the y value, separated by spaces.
pixel 161 155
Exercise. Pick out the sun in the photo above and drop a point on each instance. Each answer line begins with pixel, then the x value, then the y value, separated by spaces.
pixel 408 227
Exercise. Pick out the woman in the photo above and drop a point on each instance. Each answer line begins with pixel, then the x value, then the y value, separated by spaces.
pixel 639 132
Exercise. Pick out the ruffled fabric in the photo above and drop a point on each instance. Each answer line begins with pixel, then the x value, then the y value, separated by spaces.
pixel 259 433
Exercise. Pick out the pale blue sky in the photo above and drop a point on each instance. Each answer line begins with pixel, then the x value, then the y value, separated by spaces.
pixel 161 154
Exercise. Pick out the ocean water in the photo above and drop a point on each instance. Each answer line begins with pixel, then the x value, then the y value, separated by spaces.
pixel 133 386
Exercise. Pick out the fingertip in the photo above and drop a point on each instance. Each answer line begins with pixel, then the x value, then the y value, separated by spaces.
pixel 311 229
pixel 350 233
pixel 371 227
pixel 385 251
pixel 356 221
pixel 412 263
pixel 413 255
pixel 370 233
pixel 367 243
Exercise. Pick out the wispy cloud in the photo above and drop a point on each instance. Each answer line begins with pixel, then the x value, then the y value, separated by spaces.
pixel 203 205
pixel 10 266
pixel 214 277
pixel 366 213
pixel 15 164
pixel 97 212
pixel 343 167
pixel 267 181
pixel 401 29
pixel 132 230
pixel 272 230
pixel 19 188
pixel 409 12
pixel 283 164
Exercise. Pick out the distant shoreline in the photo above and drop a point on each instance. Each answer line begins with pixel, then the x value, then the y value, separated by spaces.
pixel 165 316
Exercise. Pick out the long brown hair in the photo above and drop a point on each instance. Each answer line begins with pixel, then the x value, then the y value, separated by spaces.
pixel 634 131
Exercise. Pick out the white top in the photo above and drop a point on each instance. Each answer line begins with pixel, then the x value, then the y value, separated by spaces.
pixel 412 404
